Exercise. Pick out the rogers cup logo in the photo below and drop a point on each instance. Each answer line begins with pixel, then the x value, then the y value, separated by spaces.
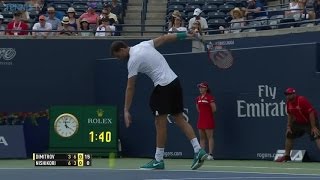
pixel 7 54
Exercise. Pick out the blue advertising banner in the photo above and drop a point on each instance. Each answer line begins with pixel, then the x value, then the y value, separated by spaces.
pixel 12 144
pixel 251 116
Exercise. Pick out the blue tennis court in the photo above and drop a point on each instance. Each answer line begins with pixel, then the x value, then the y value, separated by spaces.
pixel 176 169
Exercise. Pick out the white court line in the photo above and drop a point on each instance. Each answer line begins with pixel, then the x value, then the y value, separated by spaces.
pixel 229 178
pixel 167 170
pixel 259 167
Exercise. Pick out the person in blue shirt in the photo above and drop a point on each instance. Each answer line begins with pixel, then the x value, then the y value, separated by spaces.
pixel 254 9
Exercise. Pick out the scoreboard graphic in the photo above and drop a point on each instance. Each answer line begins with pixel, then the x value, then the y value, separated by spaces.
pixel 71 159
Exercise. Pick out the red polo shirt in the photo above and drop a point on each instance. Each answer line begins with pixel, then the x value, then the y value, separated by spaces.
pixel 17 26
pixel 205 119
pixel 300 109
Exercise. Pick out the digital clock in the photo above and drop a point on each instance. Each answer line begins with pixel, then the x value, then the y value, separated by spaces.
pixel 104 137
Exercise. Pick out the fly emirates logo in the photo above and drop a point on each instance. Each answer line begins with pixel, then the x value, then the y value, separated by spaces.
pixel 265 106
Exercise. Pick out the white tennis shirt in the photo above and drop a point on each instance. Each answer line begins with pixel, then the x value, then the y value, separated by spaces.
pixel 144 58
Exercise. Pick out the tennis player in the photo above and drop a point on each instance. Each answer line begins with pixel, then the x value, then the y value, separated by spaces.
pixel 166 97
pixel 206 106
pixel 302 118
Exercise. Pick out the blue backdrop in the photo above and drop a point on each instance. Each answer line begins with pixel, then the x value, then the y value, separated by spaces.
pixel 251 117
pixel 250 114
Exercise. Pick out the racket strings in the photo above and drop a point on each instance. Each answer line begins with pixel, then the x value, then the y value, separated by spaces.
pixel 222 58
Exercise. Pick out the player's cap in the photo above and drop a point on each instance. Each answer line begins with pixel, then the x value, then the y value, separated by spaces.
pixel 197 12
pixel 42 17
pixel 203 85
pixel 290 91
pixel 1 16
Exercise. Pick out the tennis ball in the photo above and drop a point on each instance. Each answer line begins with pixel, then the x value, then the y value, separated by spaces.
pixel 112 159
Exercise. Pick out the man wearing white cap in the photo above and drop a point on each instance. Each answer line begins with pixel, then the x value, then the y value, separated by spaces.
pixel 2 27
pixel 197 17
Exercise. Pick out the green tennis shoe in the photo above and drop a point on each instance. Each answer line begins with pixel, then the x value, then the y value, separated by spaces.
pixel 198 159
pixel 154 164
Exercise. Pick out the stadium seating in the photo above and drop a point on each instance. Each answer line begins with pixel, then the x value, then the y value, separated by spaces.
pixel 217 13
pixel 7 8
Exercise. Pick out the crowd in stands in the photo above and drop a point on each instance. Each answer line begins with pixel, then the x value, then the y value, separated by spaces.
pixel 104 17
pixel 61 18
pixel 233 16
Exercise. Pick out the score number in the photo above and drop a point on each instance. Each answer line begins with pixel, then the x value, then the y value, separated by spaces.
pixel 72 159
pixel 102 137
pixel 78 159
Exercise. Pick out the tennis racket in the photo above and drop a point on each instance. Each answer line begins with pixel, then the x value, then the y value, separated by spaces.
pixel 218 55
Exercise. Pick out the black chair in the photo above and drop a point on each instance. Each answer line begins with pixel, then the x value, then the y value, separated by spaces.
pixel 209 8
pixel 191 8
pixel 214 24
pixel 232 2
pixel 7 14
pixel 215 2
pixel 80 5
pixel 171 8
pixel 226 8
pixel 61 6
pixel 196 2
pixel 216 15
pixel 177 2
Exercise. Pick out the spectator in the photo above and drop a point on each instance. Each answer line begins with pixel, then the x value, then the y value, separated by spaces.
pixel 35 5
pixel 52 19
pixel 84 26
pixel 25 17
pixel 293 7
pixel 304 14
pixel 177 23
pixel 302 118
pixel 116 9
pixel 42 25
pixel 196 27
pixel 2 26
pixel 105 29
pixel 72 18
pixel 197 13
pixel 197 46
pixel 106 12
pixel 91 16
pixel 316 9
pixel 14 27
pixel 236 23
pixel 66 29
pixel 254 9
